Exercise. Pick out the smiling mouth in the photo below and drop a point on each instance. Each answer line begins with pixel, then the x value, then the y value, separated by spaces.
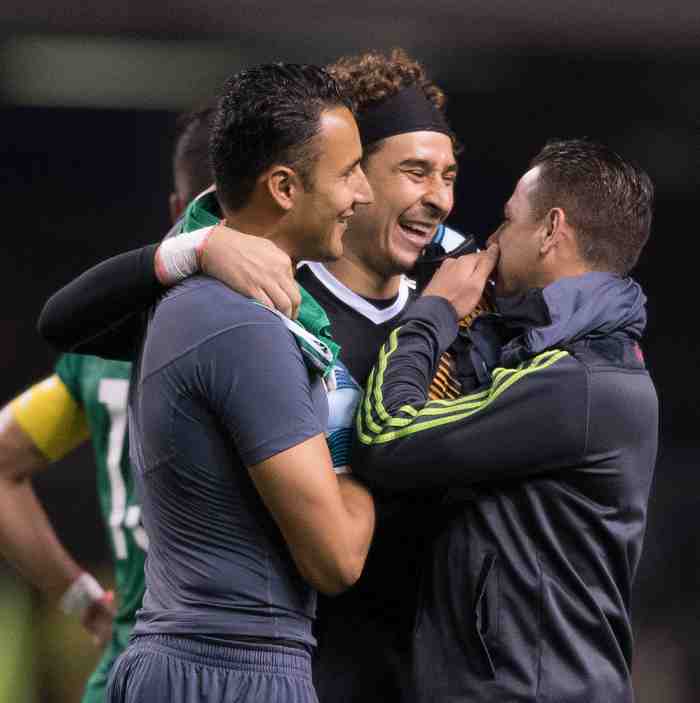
pixel 418 233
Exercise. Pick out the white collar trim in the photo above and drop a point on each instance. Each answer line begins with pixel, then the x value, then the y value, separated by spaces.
pixel 357 302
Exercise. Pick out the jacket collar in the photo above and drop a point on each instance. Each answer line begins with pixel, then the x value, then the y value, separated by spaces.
pixel 595 304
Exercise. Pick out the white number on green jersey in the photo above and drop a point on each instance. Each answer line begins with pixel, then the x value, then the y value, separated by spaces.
pixel 113 394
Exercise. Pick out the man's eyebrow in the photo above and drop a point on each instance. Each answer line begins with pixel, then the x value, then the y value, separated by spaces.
pixel 416 163
pixel 426 165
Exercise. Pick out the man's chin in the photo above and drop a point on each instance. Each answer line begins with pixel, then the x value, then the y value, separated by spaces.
pixel 405 263
pixel 332 252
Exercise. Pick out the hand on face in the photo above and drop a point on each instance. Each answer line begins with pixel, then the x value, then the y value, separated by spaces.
pixel 461 281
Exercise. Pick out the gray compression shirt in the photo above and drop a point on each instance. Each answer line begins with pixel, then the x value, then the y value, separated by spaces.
pixel 220 386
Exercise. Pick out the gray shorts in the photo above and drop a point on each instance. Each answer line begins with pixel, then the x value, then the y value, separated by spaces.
pixel 157 668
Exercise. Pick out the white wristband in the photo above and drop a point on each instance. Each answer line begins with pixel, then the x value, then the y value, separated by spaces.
pixel 81 594
pixel 179 257
pixel 340 470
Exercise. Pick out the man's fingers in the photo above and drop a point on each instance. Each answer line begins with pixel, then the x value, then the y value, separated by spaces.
pixel 262 297
pixel 280 298
pixel 291 289
pixel 487 260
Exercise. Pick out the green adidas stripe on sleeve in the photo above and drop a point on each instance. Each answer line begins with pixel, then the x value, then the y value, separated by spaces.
pixel 434 413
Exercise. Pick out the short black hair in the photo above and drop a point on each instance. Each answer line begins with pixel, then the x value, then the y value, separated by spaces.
pixel 607 200
pixel 269 114
pixel 191 165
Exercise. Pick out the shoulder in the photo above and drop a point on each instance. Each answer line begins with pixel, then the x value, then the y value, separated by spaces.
pixel 203 314
pixel 552 383
pixel 622 392
pixel 203 305
pixel 559 369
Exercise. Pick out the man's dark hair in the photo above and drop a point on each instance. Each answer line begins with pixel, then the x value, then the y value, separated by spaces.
pixel 607 200
pixel 269 115
pixel 191 165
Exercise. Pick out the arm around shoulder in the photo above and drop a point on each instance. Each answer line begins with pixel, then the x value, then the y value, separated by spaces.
pixel 531 419
pixel 99 311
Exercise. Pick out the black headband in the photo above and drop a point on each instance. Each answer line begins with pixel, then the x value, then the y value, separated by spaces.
pixel 406 111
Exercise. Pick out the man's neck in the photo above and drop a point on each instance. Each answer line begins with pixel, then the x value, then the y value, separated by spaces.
pixel 363 281
pixel 257 224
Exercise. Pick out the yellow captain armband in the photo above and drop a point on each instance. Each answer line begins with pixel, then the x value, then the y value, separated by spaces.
pixel 48 413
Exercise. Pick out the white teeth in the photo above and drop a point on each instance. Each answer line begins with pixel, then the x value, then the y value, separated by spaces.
pixel 418 229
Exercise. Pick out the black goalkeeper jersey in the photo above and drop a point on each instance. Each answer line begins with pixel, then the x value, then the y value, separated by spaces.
pixel 358 326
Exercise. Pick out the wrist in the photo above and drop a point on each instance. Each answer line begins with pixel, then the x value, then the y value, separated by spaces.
pixel 81 594
pixel 445 304
pixel 181 256
pixel 202 246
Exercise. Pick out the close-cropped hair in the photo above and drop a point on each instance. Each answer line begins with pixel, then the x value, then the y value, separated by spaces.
pixel 607 200
pixel 370 78
pixel 191 165
pixel 269 115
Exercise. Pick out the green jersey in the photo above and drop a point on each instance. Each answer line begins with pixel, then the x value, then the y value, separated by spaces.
pixel 101 388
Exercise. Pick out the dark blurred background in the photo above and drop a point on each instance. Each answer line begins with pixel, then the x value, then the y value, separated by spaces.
pixel 88 99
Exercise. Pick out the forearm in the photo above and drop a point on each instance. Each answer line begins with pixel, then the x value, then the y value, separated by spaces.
pixel 331 556
pixel 399 382
pixel 529 420
pixel 27 539
pixel 360 518
pixel 326 520
pixel 99 312
pixel 29 543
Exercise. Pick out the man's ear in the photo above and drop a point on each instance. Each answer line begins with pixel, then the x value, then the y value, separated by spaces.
pixel 283 185
pixel 555 229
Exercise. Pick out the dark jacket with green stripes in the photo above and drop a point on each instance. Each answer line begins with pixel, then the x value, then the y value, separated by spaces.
pixel 527 593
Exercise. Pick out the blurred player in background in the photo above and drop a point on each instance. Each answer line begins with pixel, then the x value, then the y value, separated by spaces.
pixel 409 158
pixel 85 399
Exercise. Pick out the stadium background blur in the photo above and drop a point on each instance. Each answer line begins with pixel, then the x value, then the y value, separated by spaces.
pixel 88 97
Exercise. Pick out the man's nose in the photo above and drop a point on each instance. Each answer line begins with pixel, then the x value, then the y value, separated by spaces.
pixel 363 190
pixel 440 198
